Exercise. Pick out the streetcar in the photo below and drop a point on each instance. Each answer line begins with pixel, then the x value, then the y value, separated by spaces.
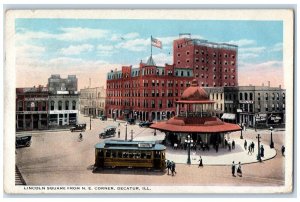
pixel 130 154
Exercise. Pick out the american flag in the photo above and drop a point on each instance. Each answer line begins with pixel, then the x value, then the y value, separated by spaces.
pixel 155 42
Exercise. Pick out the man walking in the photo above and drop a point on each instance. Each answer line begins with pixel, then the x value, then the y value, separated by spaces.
pixel 173 168
pixel 168 166
pixel 200 162
pixel 239 170
pixel 245 144
pixel 233 169
pixel 233 144
pixel 262 151
pixel 282 150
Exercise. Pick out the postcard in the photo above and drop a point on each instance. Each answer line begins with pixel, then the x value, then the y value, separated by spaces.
pixel 149 101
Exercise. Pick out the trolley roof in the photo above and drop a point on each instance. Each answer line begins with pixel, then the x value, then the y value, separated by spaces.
pixel 130 145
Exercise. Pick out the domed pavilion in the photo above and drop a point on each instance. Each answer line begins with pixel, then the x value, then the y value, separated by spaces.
pixel 195 117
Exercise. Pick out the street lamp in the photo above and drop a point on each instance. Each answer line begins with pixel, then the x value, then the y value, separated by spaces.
pixel 258 148
pixel 126 132
pixel 131 134
pixel 189 142
pixel 272 143
pixel 241 137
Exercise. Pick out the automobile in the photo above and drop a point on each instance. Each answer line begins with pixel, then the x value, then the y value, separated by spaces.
pixel 78 127
pixel 103 118
pixel 23 140
pixel 109 131
pixel 131 121
pixel 145 123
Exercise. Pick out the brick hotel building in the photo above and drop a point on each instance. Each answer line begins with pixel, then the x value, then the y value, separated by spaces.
pixel 149 92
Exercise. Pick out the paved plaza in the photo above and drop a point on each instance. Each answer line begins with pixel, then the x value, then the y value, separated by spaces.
pixel 58 158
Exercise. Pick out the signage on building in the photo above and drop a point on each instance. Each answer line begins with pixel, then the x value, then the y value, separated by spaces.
pixel 239 110
pixel 36 99
pixel 228 101
pixel 246 101
pixel 60 92
pixel 31 112
pixel 63 111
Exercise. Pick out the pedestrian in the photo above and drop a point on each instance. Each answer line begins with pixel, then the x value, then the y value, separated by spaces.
pixel 229 147
pixel 239 170
pixel 217 147
pixel 173 168
pixel 282 150
pixel 200 162
pixel 233 144
pixel 245 144
pixel 233 169
pixel 168 166
pixel 226 143
pixel 249 150
pixel 119 124
pixel 119 133
pixel 252 147
pixel 262 151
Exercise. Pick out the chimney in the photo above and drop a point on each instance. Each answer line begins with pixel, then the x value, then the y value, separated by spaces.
pixel 268 83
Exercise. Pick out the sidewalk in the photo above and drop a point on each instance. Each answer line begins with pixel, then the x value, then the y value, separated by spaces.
pixel 222 157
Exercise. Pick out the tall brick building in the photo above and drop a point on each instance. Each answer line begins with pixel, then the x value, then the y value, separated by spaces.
pixel 150 91
pixel 213 64
pixel 145 93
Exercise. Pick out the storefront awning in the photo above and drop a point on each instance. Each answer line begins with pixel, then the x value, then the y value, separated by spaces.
pixel 228 116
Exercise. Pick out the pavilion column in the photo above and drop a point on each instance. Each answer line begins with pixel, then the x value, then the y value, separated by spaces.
pixel 177 109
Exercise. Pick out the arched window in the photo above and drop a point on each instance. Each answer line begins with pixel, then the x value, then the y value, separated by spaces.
pixel 59 105
pixel 73 105
pixel 52 105
pixel 99 95
pixel 251 96
pixel 267 96
pixel 241 96
pixel 67 105
pixel 246 96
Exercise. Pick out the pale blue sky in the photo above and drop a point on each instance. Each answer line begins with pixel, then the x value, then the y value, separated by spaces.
pixel 66 42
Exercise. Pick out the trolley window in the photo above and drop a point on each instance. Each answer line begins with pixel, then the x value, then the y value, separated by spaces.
pixel 108 152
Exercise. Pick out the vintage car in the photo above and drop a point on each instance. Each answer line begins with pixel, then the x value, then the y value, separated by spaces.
pixel 103 118
pixel 145 123
pixel 78 127
pixel 109 131
pixel 23 140
pixel 131 121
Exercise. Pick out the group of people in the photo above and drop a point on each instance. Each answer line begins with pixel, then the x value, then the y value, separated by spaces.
pixel 171 167
pixel 236 168
pixel 250 147
pixel 230 145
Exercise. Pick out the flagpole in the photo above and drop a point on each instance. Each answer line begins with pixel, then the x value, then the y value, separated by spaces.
pixel 151 45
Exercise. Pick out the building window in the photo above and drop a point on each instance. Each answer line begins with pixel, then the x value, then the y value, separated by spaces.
pixel 266 106
pixel 67 105
pixel 74 105
pixel 251 96
pixel 20 106
pixel 273 96
pixel 52 105
pixel 267 96
pixel 246 96
pixel 178 54
pixel 187 61
pixel 59 105
pixel 187 52
pixel 178 62
pixel 241 96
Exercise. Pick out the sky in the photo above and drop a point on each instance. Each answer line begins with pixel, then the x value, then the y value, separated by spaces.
pixel 89 48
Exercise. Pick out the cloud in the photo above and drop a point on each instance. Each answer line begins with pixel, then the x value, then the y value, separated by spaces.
pixel 67 34
pixel 277 47
pixel 28 50
pixel 76 50
pixel 256 74
pixel 242 42
pixel 134 44
pixel 41 70
pixel 119 37
pixel 162 58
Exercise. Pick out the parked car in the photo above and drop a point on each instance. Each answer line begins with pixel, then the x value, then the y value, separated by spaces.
pixel 23 140
pixel 78 127
pixel 145 123
pixel 103 118
pixel 109 131
pixel 131 121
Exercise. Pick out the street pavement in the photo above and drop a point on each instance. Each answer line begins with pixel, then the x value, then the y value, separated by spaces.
pixel 58 158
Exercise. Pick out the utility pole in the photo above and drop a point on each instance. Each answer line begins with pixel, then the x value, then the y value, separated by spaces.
pixel 258 148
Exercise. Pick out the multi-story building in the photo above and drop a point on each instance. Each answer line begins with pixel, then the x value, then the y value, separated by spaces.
pixel 32 108
pixel 145 93
pixel 92 101
pixel 55 83
pixel 217 95
pixel 256 105
pixel 63 101
pixel 213 64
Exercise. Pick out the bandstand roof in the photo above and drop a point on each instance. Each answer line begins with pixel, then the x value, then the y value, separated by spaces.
pixel 194 95
pixel 195 125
